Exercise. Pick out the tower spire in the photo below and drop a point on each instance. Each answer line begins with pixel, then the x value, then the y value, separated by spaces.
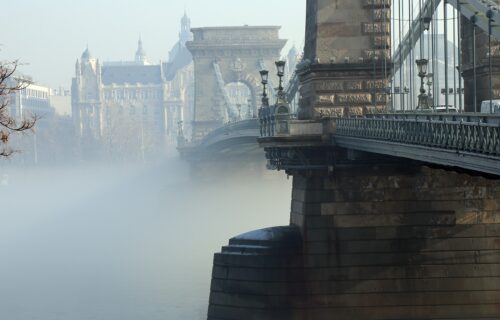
pixel 185 34
pixel 86 54
pixel 140 54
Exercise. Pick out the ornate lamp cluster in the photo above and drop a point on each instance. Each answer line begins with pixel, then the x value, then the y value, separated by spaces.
pixel 274 119
pixel 422 65
pixel 423 98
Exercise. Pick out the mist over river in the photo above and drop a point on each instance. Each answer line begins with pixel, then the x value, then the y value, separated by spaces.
pixel 101 242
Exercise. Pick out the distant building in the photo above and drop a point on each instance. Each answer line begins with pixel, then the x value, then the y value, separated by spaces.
pixel 51 140
pixel 180 77
pixel 103 94
pixel 112 97
pixel 60 100
pixel 34 99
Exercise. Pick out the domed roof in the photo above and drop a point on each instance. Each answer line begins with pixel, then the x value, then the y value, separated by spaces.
pixel 86 54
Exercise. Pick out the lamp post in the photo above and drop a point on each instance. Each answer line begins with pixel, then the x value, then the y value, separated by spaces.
pixel 426 23
pixel 423 102
pixel 238 106
pixel 430 79
pixel 429 83
pixel 473 20
pixel 249 109
pixel 280 112
pixel 280 65
pixel 406 91
pixel 264 74
pixel 490 15
pixel 264 108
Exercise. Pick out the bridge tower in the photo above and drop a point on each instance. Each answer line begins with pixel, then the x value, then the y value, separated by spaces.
pixel 348 50
pixel 224 55
pixel 372 235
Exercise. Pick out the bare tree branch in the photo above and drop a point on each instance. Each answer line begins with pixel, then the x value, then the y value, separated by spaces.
pixel 10 84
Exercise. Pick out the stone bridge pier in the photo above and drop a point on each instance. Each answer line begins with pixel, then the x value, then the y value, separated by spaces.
pixel 370 240
pixel 370 237
pixel 398 241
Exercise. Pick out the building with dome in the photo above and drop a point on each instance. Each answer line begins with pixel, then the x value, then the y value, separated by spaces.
pixel 135 102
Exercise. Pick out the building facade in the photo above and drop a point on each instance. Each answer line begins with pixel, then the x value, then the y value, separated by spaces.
pixel 133 103
pixel 32 100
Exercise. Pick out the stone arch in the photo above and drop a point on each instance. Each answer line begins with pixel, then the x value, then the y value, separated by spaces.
pixel 228 54
pixel 252 83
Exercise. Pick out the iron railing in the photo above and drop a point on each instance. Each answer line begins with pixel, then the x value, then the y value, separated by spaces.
pixel 273 123
pixel 476 137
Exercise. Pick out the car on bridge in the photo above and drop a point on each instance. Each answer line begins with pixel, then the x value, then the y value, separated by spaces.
pixel 443 108
pixel 485 106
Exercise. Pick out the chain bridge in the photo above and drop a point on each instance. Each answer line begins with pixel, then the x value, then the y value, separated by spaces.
pixel 237 53
pixel 390 128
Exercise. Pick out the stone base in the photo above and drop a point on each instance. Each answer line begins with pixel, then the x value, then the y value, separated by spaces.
pixel 258 276
pixel 375 243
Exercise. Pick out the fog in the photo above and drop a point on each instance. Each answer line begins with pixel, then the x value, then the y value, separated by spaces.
pixel 99 218
pixel 105 242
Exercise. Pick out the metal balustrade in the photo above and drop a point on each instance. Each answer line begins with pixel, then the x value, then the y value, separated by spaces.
pixel 479 137
pixel 473 133
pixel 273 122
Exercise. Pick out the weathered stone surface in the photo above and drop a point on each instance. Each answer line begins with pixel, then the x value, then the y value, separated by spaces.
pixel 239 52
pixel 420 242
pixel 349 45
pixel 380 239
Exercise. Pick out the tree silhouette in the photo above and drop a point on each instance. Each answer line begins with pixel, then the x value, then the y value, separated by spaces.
pixel 10 84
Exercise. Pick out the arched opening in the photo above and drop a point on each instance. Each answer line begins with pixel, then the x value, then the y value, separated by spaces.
pixel 241 99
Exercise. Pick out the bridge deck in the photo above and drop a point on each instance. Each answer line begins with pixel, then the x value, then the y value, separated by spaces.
pixel 468 141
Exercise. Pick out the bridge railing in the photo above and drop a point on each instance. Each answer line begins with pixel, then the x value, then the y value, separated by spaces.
pixel 230 127
pixel 477 137
pixel 274 120
pixel 440 116
pixel 467 132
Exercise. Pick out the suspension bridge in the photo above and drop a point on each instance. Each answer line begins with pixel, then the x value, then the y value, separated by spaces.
pixel 393 144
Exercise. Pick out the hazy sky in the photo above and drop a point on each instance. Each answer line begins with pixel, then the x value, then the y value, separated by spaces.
pixel 49 35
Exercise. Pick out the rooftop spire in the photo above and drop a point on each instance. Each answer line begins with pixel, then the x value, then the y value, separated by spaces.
pixel 185 34
pixel 140 54
pixel 86 54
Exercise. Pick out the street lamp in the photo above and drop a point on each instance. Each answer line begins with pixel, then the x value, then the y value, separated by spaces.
pixel 280 65
pixel 422 67
pixel 264 108
pixel 423 101
pixel 426 23
pixel 249 109
pixel 264 74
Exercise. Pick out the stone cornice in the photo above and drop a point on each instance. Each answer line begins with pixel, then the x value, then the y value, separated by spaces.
pixel 319 71
pixel 224 45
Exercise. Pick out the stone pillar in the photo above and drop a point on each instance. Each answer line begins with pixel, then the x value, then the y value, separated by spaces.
pixel 370 241
pixel 398 242
pixel 348 49
pixel 370 237
pixel 482 66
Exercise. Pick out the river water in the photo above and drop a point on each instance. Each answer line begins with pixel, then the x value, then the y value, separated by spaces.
pixel 101 242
